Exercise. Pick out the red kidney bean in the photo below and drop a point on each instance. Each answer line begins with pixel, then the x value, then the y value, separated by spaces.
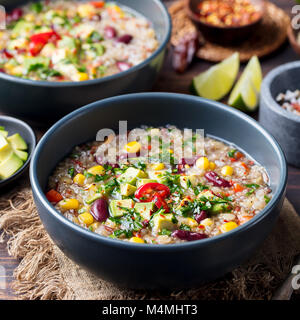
pixel 115 166
pixel 126 38
pixel 2 70
pixel 188 235
pixel 217 181
pixel 6 54
pixel 99 210
pixel 201 216
pixel 15 15
pixel 123 66
pixel 110 32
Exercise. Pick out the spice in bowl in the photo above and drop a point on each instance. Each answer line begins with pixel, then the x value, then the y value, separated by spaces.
pixel 228 13
pixel 290 101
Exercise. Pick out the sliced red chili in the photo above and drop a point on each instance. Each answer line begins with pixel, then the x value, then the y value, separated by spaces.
pixel 39 40
pixel 146 192
pixel 160 203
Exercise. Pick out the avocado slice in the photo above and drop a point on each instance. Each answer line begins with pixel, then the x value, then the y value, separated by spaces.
pixel 23 155
pixel 3 143
pixel 17 142
pixel 219 208
pixel 141 182
pixel 93 198
pixel 116 207
pixel 32 63
pixel 131 175
pixel 127 189
pixel 10 165
pixel 163 221
pixel 5 153
pixel 22 27
pixel 4 133
pixel 67 42
pixel 144 209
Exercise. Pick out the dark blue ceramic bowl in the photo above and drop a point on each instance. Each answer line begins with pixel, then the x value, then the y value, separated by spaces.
pixel 42 100
pixel 158 266
pixel 282 124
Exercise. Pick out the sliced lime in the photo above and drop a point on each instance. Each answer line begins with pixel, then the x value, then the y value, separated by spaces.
pixel 245 94
pixel 217 81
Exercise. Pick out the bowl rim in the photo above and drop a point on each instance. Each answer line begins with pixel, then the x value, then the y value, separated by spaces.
pixel 40 195
pixel 266 90
pixel 39 83
pixel 22 124
pixel 196 19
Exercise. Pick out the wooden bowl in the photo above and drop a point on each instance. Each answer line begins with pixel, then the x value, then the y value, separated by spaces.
pixel 223 35
pixel 293 39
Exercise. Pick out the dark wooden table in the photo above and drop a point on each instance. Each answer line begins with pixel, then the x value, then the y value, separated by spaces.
pixel 172 82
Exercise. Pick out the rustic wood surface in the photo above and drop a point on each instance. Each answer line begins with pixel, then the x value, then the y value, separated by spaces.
pixel 172 82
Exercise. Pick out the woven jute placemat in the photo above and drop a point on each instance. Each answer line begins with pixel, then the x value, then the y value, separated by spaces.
pixel 268 36
pixel 45 272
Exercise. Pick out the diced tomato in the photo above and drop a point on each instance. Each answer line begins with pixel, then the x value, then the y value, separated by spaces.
pixel 238 188
pixel 243 164
pixel 146 192
pixel 54 196
pixel 39 40
pixel 97 4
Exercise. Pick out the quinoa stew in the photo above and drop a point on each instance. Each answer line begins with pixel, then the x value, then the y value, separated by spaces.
pixel 154 195
pixel 65 40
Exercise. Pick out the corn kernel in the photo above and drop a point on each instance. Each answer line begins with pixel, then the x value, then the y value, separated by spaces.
pixel 1 34
pixel 29 17
pixel 132 147
pixel 94 226
pixel 86 10
pixel 171 151
pixel 212 166
pixel 86 218
pixel 136 240
pixel 79 179
pixel 227 171
pixel 207 222
pixel 228 226
pixel 158 166
pixel 192 222
pixel 187 166
pixel 69 204
pixel 18 70
pixel 82 76
pixel 96 170
pixel 202 163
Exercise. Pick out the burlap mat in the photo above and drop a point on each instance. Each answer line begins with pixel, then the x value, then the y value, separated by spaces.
pixel 45 273
pixel 268 37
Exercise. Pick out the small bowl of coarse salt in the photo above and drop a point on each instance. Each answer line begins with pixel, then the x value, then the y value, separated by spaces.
pixel 280 108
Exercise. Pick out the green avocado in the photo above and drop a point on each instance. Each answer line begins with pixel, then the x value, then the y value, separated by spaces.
pixel 127 189
pixel 10 165
pixel 17 142
pixel 144 209
pixel 23 155
pixel 219 208
pixel 3 143
pixel 163 221
pixel 67 42
pixel 3 133
pixel 131 175
pixel 141 182
pixel 33 63
pixel 93 198
pixel 116 207
pixel 22 27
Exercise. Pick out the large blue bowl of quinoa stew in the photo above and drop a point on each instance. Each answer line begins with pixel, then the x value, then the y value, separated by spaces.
pixel 170 220
pixel 56 56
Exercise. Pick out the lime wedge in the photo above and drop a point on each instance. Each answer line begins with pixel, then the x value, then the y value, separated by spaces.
pixel 217 81
pixel 245 94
